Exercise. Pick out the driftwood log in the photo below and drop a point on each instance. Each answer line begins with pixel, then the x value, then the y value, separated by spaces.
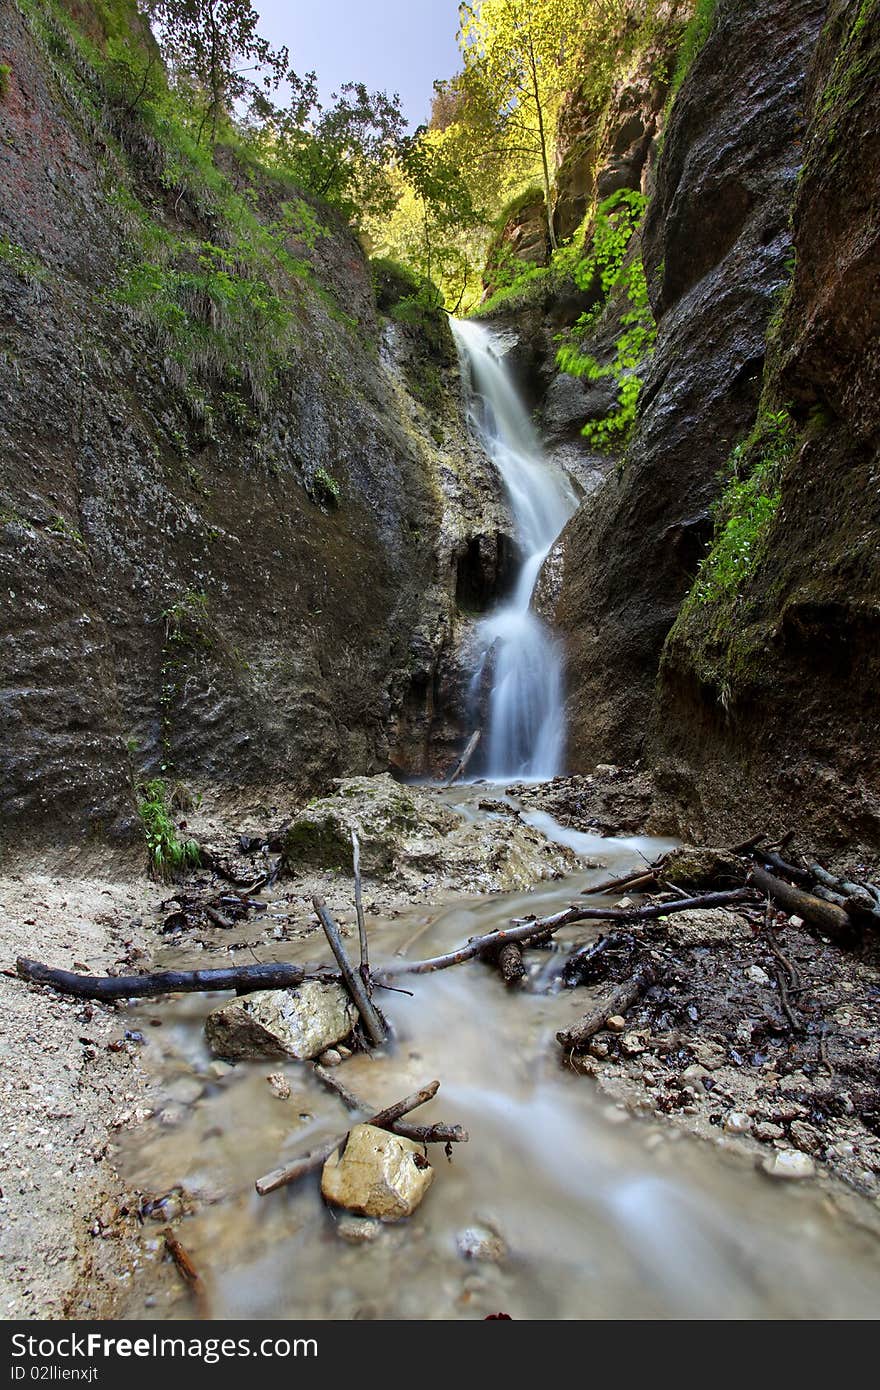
pixel 465 758
pixel 244 978
pixel 617 1002
pixel 383 1119
pixel 828 917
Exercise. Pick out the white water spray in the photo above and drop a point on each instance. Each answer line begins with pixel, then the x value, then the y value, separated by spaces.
pixel 526 729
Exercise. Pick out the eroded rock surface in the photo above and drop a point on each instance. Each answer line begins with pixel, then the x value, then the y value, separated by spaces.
pixel 378 1174
pixel 300 1022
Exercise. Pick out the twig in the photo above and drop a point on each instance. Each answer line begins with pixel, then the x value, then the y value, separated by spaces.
pixel 281 1177
pixel 638 879
pixel 187 1270
pixel 376 1031
pixel 422 1134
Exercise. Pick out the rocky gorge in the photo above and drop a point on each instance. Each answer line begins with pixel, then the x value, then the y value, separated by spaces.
pixel 252 539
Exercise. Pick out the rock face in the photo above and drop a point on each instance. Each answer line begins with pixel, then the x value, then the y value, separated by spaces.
pixel 793 737
pixel 715 244
pixel 298 1022
pixel 409 837
pixel 235 590
pixel 378 1174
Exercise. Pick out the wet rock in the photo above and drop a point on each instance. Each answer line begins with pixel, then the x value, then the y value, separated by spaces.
pixel 631 1044
pixel 358 1230
pixel 331 1058
pixel 301 1022
pixel 408 836
pixel 804 1136
pixel 788 1163
pixel 700 869
pixel 767 1132
pixel 185 1090
pixel 378 1174
pixel 709 1054
pixel 279 1085
pixel 615 1024
pixel 737 1122
pixel 481 1243
pixel 757 975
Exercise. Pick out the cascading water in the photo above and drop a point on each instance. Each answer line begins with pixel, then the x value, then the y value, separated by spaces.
pixel 526 723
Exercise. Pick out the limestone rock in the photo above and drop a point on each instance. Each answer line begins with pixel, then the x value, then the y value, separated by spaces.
pixel 358 1230
pixel 789 1163
pixel 481 1242
pixel 378 1174
pixel 300 1022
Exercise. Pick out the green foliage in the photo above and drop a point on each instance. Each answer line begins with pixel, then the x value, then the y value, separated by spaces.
pixel 745 509
pixel 168 853
pixel 695 35
pixel 62 528
pixel 608 271
pixel 324 489
pixel 5 74
pixel 25 266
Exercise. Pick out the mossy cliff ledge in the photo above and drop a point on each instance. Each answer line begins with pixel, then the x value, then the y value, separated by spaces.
pixel 235 491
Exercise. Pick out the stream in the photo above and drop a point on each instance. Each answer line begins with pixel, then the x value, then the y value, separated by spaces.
pixel 603 1214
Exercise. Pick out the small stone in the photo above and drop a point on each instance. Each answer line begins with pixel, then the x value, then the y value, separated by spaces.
pixel 737 1122
pixel 331 1058
pixel 357 1230
pixel 804 1136
pixel 279 1084
pixel 757 975
pixel 709 1054
pixel 170 1116
pixel 767 1132
pixel 377 1174
pixel 185 1090
pixel 344 1051
pixel 625 904
pixel 631 1044
pixel 220 1069
pixel 481 1243
pixel 599 1047
pixel 695 1075
pixel 788 1163
pixel 795 921
pixel 616 1024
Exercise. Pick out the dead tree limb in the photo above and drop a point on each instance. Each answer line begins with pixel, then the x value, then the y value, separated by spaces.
pixel 281 1177
pixel 544 926
pixel 275 975
pixel 422 1134
pixel 187 1270
pixel 359 909
pixel 828 917
pixel 617 1002
pixel 373 1024
pixel 638 879
pixel 465 758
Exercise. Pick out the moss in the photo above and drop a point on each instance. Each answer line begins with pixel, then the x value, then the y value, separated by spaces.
pixel 21 262
pixel 5 75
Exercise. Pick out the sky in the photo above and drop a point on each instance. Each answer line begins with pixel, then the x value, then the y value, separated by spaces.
pixel 391 45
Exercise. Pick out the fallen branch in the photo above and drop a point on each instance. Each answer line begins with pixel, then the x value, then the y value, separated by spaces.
pixel 617 1002
pixel 828 917
pixel 359 910
pixel 509 961
pixel 464 759
pixel 479 945
pixel 281 1177
pixel 640 878
pixel 372 1022
pixel 187 1271
pixel 422 1134
pixel 244 978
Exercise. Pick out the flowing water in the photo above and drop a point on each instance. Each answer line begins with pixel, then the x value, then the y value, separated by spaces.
pixel 526 725
pixel 604 1215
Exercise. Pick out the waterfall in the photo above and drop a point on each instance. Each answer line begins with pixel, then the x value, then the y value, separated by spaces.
pixel 526 722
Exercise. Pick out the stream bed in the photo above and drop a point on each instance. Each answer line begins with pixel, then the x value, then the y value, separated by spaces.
pixel 601 1214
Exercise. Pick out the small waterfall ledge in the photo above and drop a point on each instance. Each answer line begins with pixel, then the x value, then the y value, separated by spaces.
pixel 525 733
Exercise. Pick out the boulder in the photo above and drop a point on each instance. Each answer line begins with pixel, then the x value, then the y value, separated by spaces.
pixel 301 1022
pixel 378 1174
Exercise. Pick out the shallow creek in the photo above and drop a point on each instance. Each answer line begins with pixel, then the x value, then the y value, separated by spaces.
pixel 604 1215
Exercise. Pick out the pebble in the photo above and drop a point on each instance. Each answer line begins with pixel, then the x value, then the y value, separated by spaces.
pixel 766 1131
pixel 757 975
pixel 599 1047
pixel 186 1090
pixel 220 1069
pixel 788 1163
pixel 481 1243
pixel 357 1230
pixel 631 1044
pixel 279 1085
pixel 737 1122
pixel 616 1024
pixel 804 1136
pixel 330 1058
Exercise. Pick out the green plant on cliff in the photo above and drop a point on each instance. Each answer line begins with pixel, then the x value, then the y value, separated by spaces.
pixel 745 509
pixel 21 263
pixel 695 35
pixel 167 851
pixel 5 74
pixel 609 272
